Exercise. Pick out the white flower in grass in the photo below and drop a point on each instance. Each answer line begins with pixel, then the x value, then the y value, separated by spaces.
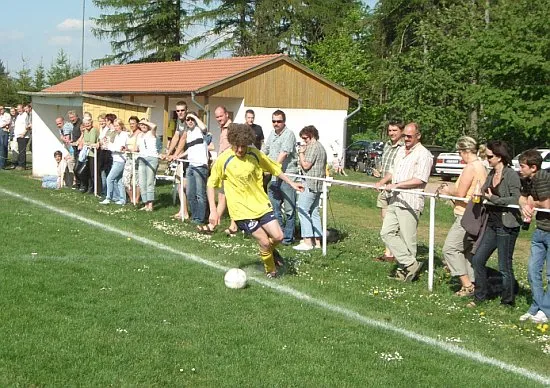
pixel 546 349
pixel 122 331
pixel 388 357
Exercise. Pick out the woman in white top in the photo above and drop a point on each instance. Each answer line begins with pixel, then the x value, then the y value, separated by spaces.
pixel 130 177
pixel 115 184
pixel 148 161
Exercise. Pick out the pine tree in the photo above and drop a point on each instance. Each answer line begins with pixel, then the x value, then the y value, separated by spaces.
pixel 40 77
pixel 141 30
pixel 62 69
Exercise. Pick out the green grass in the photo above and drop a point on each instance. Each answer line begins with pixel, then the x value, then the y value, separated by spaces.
pixel 94 308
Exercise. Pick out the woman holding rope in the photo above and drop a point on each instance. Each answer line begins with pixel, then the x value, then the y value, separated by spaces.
pixel 458 245
pixel 148 161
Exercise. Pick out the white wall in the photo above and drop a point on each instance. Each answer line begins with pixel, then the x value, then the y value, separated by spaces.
pixel 45 137
pixel 329 123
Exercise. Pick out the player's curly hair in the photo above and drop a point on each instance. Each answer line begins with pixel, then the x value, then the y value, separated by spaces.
pixel 240 135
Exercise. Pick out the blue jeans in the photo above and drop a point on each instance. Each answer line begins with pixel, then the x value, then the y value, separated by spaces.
pixel 503 239
pixel 196 192
pixel 308 213
pixel 4 141
pixel 115 185
pixel 147 171
pixel 540 254
pixel 282 194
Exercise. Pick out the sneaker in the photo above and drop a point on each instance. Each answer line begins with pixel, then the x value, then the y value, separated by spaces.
pixel 303 247
pixel 539 317
pixel 105 202
pixel 121 203
pixel 413 271
pixel 525 317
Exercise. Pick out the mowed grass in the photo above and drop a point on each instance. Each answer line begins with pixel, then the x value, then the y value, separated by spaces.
pixel 95 308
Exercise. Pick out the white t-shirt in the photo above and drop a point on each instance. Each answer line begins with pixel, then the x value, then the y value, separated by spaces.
pixel 20 129
pixel 197 149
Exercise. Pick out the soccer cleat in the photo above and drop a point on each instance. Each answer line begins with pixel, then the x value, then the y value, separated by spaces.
pixel 271 275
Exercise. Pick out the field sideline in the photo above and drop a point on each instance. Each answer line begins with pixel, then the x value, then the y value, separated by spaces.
pixel 436 357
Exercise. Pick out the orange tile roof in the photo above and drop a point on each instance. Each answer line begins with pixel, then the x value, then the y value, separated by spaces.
pixel 161 77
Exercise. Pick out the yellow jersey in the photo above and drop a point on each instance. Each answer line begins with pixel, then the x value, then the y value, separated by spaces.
pixel 243 182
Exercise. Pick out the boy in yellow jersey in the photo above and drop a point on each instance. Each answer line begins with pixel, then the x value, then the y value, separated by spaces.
pixel 241 168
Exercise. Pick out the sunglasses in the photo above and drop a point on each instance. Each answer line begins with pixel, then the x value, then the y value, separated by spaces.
pixel 305 138
pixel 277 121
pixel 490 156
pixel 407 136
pixel 181 110
pixel 189 119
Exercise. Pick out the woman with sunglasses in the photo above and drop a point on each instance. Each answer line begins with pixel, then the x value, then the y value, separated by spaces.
pixel 148 161
pixel 501 188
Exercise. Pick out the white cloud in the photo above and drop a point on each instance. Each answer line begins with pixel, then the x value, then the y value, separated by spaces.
pixel 12 35
pixel 60 40
pixel 73 24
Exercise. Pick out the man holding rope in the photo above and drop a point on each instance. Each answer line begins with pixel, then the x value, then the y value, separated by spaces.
pixel 411 170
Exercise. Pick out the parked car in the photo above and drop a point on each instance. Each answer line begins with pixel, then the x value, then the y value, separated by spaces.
pixel 364 155
pixel 545 153
pixel 449 165
pixel 436 151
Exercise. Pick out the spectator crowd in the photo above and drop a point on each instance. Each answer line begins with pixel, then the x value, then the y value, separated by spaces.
pixel 118 162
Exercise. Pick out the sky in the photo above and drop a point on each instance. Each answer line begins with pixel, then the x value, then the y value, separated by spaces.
pixel 35 34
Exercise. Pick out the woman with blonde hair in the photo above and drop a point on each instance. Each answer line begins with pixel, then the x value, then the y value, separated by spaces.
pixel 148 161
pixel 117 147
pixel 458 245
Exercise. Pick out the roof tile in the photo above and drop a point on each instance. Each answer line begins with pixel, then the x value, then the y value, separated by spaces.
pixel 162 77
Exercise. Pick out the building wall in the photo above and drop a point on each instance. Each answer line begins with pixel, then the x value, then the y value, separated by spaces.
pixel 45 137
pixel 122 111
pixel 283 85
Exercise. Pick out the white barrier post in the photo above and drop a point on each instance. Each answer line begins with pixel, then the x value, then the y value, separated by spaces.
pixel 95 171
pixel 133 180
pixel 325 205
pixel 181 192
pixel 431 245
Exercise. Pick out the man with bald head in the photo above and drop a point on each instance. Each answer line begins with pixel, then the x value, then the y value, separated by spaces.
pixel 410 171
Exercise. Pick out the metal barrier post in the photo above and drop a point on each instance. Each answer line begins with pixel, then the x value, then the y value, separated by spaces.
pixel 324 222
pixel 133 180
pixel 181 192
pixel 95 171
pixel 431 245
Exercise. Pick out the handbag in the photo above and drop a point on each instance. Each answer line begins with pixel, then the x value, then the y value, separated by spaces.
pixel 83 156
pixel 81 168
pixel 474 218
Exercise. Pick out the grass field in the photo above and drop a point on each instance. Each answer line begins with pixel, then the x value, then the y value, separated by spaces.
pixel 101 295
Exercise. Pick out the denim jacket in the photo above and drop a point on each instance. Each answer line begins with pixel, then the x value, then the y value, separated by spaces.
pixel 509 193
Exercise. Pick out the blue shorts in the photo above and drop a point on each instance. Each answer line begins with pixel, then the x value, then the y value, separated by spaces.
pixel 250 226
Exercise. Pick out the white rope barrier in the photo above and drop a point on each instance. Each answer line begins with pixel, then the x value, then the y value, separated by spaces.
pixel 432 197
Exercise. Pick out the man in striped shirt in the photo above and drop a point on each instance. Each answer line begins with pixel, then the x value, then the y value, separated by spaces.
pixel 395 131
pixel 411 171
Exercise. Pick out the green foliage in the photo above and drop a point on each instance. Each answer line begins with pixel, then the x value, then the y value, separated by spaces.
pixel 141 30
pixel 62 69
pixel 40 77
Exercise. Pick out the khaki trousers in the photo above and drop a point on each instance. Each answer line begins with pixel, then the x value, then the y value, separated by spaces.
pixel 457 251
pixel 399 233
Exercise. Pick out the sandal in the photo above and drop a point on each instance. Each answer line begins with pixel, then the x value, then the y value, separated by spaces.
pixel 466 291
pixel 230 232
pixel 206 229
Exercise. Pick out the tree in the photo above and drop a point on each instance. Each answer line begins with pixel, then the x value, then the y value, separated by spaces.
pixel 23 80
pixel 8 92
pixel 40 77
pixel 62 69
pixel 141 30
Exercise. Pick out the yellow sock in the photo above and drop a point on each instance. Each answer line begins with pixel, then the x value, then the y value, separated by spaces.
pixel 267 258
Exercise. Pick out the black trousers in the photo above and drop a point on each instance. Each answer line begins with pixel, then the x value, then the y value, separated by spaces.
pixel 22 143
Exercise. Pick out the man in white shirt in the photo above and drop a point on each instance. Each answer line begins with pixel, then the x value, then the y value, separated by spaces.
pixel 5 120
pixel 411 170
pixel 20 133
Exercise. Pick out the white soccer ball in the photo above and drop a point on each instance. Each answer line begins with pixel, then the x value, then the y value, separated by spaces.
pixel 235 278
